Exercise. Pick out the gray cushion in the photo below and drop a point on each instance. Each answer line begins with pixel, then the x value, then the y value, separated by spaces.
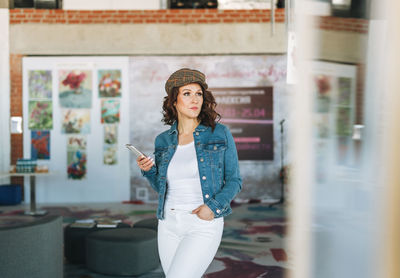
pixel 122 251
pixel 151 223
pixel 32 248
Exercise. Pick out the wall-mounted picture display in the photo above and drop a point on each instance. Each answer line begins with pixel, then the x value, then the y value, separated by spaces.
pixel 75 88
pixel 75 121
pixel 40 115
pixel 40 84
pixel 110 154
pixel 110 133
pixel 40 144
pixel 76 157
pixel 110 111
pixel 109 83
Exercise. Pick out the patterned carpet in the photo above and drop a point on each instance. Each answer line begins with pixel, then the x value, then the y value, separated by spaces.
pixel 252 244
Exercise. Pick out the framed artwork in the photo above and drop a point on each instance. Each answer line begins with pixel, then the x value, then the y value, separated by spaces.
pixel 75 121
pixel 40 84
pixel 76 157
pixel 40 144
pixel 75 88
pixel 110 111
pixel 40 115
pixel 109 83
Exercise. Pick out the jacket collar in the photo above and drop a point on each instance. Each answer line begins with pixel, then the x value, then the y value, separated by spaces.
pixel 174 129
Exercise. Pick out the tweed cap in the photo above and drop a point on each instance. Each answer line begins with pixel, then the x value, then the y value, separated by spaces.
pixel 183 77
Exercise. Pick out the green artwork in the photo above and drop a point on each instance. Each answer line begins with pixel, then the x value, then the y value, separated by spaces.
pixel 40 115
pixel 109 111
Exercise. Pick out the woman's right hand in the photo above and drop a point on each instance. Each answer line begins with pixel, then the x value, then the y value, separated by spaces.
pixel 145 163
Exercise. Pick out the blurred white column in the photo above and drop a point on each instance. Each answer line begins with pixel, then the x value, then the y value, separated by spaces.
pixel 389 263
pixel 4 91
pixel 299 234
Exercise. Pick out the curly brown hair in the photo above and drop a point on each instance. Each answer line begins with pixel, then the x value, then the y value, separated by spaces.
pixel 208 116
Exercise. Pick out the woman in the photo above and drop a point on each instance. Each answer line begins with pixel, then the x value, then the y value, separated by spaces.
pixel 195 173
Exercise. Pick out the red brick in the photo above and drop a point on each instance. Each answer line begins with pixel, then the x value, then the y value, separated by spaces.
pixel 150 21
pixel 228 21
pixel 176 21
pixel 202 21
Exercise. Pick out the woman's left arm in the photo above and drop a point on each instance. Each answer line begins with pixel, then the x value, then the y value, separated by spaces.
pixel 232 179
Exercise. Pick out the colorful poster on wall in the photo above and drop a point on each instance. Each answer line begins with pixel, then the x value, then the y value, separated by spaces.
pixel 40 115
pixel 249 114
pixel 75 88
pixel 110 133
pixel 40 84
pixel 76 157
pixel 40 144
pixel 109 83
pixel 110 154
pixel 75 121
pixel 110 111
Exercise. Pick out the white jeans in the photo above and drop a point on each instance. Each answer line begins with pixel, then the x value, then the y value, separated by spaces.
pixel 186 243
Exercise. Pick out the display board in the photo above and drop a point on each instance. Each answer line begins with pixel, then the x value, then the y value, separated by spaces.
pixel 248 112
pixel 76 121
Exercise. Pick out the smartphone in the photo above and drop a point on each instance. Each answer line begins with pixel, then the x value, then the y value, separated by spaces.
pixel 134 150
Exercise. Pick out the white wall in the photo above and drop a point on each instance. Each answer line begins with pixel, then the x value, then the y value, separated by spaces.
pixel 103 183
pixel 142 39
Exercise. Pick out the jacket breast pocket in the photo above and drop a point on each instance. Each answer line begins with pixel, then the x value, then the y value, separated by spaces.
pixel 215 151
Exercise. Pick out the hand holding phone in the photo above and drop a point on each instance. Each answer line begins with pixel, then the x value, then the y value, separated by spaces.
pixel 143 161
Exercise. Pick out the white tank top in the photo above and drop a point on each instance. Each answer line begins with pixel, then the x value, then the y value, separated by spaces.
pixel 184 188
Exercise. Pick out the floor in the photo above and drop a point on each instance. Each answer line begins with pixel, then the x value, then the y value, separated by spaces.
pixel 252 244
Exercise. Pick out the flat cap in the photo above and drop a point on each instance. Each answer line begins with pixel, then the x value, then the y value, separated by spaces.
pixel 183 77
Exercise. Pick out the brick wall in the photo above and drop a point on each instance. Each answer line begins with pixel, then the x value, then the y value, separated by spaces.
pixel 185 16
pixel 356 25
pixel 17 150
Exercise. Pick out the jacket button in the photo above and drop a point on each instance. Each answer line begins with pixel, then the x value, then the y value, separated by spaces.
pixel 204 178
pixel 207 196
pixel 201 159
pixel 215 148
pixel 218 211
pixel 197 133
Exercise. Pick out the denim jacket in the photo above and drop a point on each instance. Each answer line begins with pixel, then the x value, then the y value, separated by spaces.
pixel 218 166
